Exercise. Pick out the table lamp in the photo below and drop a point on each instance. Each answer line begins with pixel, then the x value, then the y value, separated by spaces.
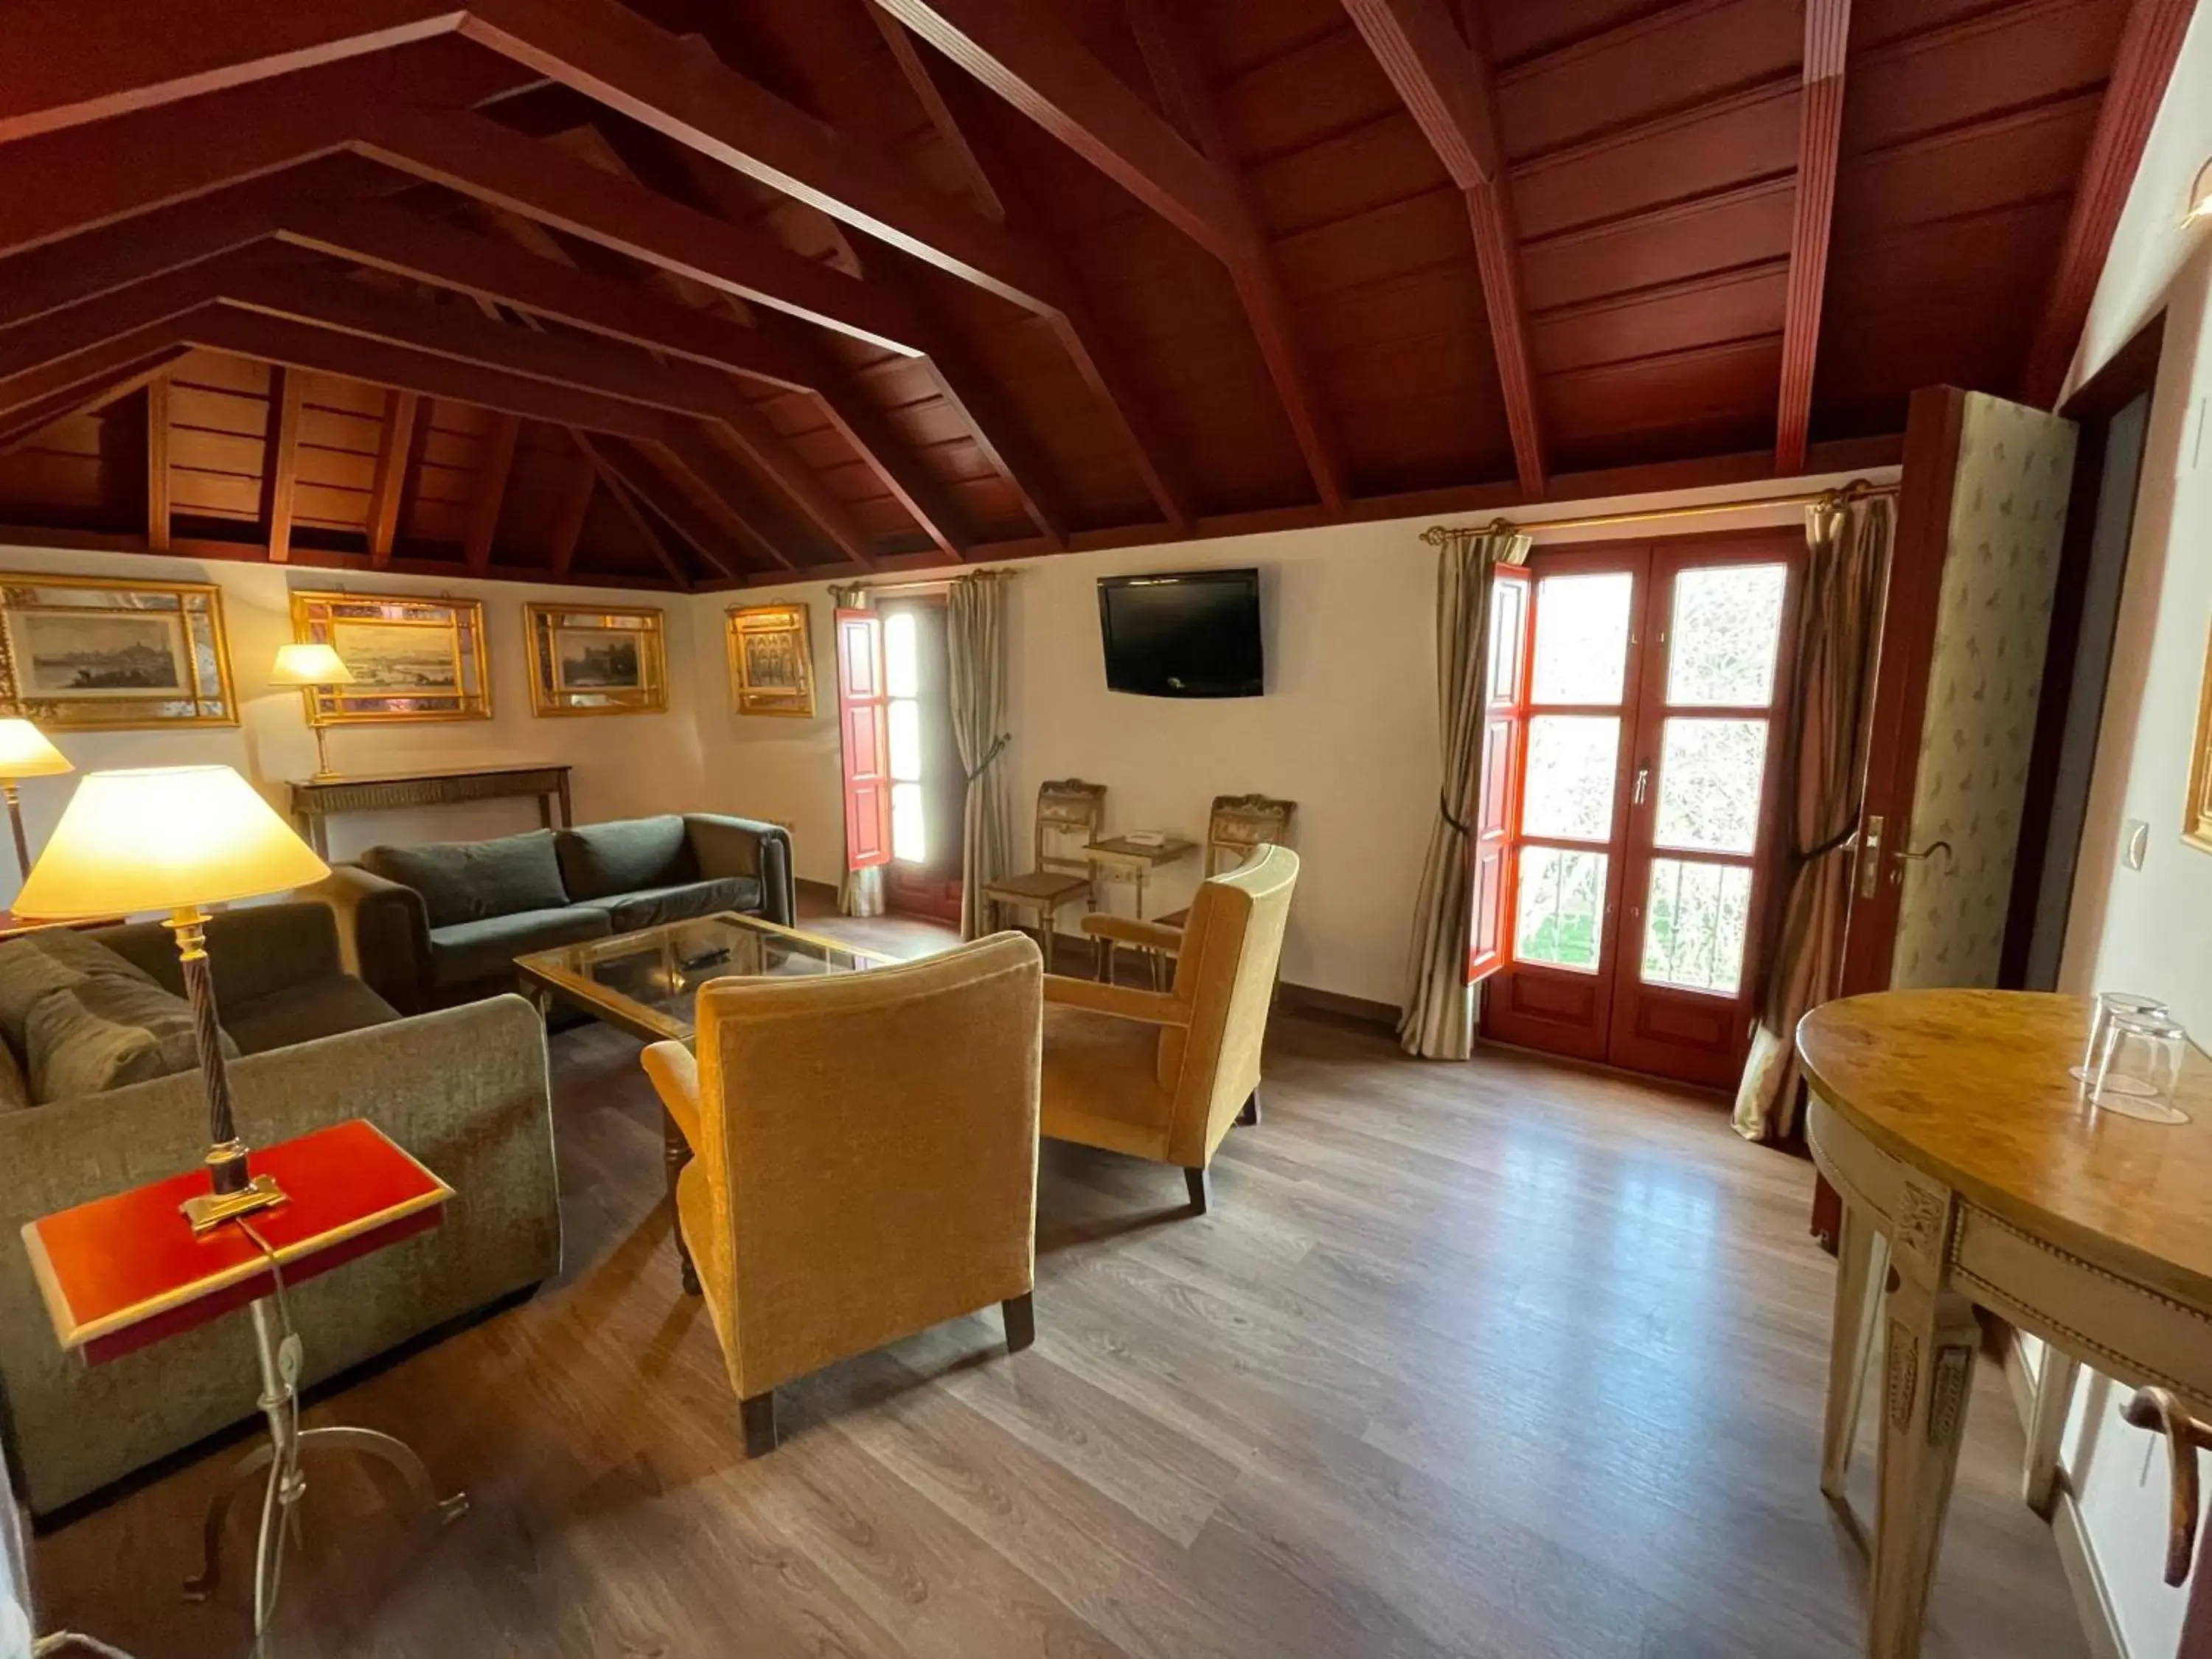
pixel 311 666
pixel 25 753
pixel 176 838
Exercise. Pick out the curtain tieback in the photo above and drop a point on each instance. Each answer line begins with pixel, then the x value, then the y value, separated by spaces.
pixel 1842 838
pixel 1445 812
pixel 990 754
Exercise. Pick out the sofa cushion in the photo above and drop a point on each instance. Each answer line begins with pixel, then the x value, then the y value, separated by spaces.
pixel 299 1013
pixel 654 905
pixel 471 950
pixel 110 1031
pixel 606 861
pixel 463 881
pixel 14 1087
pixel 36 965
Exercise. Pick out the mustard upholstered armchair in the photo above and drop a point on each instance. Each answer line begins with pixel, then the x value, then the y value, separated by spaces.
pixel 1163 1074
pixel 864 1158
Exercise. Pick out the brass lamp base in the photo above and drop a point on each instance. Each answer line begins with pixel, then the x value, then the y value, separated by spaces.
pixel 209 1210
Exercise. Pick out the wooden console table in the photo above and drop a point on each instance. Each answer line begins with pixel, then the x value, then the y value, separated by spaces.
pixel 315 802
pixel 1967 1155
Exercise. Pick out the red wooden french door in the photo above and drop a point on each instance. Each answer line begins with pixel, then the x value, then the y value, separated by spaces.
pixel 863 721
pixel 1642 844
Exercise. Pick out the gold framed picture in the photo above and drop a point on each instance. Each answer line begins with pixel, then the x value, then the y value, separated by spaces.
pixel 412 658
pixel 771 659
pixel 2196 815
pixel 596 662
pixel 84 654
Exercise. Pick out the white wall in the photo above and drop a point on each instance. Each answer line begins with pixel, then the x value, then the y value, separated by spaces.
pixel 624 764
pixel 2151 930
pixel 1347 728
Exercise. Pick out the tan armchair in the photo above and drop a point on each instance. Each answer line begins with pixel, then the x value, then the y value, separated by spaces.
pixel 864 1158
pixel 1163 1074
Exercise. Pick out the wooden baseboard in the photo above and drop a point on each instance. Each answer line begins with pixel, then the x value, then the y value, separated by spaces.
pixel 827 892
pixel 2092 1601
pixel 1312 999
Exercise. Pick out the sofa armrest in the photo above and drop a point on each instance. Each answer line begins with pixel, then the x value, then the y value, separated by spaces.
pixel 1153 1007
pixel 383 934
pixel 726 846
pixel 254 950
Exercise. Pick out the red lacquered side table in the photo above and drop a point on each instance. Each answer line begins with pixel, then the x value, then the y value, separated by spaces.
pixel 124 1272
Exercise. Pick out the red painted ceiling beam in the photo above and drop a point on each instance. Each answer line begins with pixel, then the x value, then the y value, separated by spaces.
pixel 1821 126
pixel 2150 40
pixel 1445 84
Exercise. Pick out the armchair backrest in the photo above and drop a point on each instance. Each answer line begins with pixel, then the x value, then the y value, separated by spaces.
pixel 1226 972
pixel 870 1141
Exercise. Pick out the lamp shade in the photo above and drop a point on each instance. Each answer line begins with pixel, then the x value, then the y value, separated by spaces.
pixel 309 664
pixel 160 838
pixel 24 752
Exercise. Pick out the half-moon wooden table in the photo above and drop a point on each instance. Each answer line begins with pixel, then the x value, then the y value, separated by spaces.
pixel 1948 1121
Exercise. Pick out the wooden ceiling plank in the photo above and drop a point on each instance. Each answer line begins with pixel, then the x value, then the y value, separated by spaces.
pixel 287 398
pixel 51 384
pixel 610 478
pixel 60 335
pixel 1171 53
pixel 157 463
pixel 1827 36
pixel 772 453
pixel 1445 84
pixel 1023 53
pixel 491 491
pixel 916 72
pixel 401 410
pixel 27 422
pixel 678 479
pixel 901 472
pixel 2150 40
pixel 696 457
pixel 575 506
pixel 52 278
pixel 379 362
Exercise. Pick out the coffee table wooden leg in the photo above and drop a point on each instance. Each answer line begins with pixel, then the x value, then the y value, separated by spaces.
pixel 675 1152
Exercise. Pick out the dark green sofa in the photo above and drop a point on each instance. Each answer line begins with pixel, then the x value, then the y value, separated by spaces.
pixel 465 1091
pixel 436 925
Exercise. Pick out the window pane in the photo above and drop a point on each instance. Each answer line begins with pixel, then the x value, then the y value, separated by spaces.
pixel 908 842
pixel 1567 792
pixel 906 739
pixel 1582 637
pixel 902 662
pixel 1709 773
pixel 1694 925
pixel 1727 624
pixel 1556 910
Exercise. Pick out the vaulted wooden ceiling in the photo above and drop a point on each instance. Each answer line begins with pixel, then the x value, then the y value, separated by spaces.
pixel 687 292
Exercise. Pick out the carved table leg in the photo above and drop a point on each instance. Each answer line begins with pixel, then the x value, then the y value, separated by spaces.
pixel 2046 1427
pixel 1931 1339
pixel 675 1152
pixel 1862 1264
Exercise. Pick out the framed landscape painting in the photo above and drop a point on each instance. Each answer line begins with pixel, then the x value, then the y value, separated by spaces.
pixel 83 652
pixel 412 658
pixel 596 662
pixel 771 661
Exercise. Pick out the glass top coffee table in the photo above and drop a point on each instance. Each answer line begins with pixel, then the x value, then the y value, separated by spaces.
pixel 647 983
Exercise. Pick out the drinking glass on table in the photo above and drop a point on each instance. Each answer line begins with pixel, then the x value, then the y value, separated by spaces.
pixel 2139 1071
pixel 2109 1003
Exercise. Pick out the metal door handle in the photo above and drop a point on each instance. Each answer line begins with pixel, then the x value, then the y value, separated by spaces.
pixel 1928 852
pixel 1643 778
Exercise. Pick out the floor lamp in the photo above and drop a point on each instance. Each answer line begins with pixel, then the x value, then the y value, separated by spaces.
pixel 25 753
pixel 179 839
pixel 313 666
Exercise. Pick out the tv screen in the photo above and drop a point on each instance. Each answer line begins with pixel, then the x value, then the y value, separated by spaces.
pixel 1195 634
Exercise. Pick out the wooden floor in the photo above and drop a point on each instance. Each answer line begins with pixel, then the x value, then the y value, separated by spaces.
pixel 1494 1359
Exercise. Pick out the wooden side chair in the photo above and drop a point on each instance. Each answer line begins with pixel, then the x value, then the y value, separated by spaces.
pixel 1236 827
pixel 1068 814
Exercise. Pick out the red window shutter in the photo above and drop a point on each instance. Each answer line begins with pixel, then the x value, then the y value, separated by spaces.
pixel 864 726
pixel 1492 854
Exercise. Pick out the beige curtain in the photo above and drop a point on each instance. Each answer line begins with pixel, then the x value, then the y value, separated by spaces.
pixel 861 893
pixel 1438 1021
pixel 1824 731
pixel 976 632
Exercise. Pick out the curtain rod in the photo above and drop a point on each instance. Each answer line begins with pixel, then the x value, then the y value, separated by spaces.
pixel 926 585
pixel 1438 534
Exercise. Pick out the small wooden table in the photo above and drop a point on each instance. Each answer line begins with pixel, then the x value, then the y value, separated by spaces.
pixel 315 802
pixel 121 1272
pixel 647 983
pixel 1965 1152
pixel 1133 861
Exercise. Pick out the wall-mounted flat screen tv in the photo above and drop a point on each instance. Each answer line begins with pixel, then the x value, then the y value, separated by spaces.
pixel 1188 634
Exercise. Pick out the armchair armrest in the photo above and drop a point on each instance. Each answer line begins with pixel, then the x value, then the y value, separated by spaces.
pixel 727 845
pixel 674 1069
pixel 1125 930
pixel 1153 1007
pixel 384 932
